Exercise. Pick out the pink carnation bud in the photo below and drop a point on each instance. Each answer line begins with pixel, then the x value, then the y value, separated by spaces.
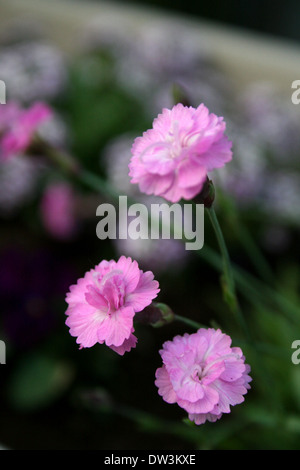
pixel 58 211
pixel 103 303
pixel 173 158
pixel 18 126
pixel 203 374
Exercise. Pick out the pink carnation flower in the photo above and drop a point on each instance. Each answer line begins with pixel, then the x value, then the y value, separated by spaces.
pixel 18 126
pixel 103 303
pixel 203 374
pixel 172 159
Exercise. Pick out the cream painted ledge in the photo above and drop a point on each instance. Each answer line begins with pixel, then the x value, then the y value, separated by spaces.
pixel 244 56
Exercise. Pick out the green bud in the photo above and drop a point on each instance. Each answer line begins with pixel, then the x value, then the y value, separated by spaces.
pixel 156 315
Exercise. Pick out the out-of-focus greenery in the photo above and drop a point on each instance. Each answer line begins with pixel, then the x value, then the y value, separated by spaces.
pixel 54 395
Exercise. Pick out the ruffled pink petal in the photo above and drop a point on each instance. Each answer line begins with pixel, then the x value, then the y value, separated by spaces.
pixel 126 346
pixel 156 184
pixel 158 161
pixel 233 370
pixel 174 193
pixel 207 136
pixel 201 418
pixel 204 405
pixel 113 289
pixel 190 174
pixel 83 322
pixel 164 385
pixel 231 393
pixel 214 372
pixel 146 290
pixel 217 155
pixel 94 298
pixel 190 193
pixel 117 327
pixel 130 271
pixel 190 390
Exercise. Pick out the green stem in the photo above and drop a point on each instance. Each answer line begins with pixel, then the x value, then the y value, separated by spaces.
pixel 229 285
pixel 189 322
pixel 97 183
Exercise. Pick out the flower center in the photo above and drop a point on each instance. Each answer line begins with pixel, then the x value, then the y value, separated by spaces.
pixel 173 138
pixel 201 370
pixel 197 374
pixel 107 294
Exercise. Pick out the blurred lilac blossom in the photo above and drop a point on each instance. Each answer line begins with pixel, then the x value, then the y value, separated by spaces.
pixel 271 119
pixel 19 178
pixel 32 71
pixel 281 196
pixel 264 172
pixel 150 61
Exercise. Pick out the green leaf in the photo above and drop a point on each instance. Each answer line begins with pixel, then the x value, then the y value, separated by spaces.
pixel 37 381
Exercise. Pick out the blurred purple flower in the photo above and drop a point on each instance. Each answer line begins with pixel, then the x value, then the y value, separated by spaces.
pixel 58 210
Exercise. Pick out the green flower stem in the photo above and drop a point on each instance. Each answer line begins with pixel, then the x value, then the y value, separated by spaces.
pixel 189 322
pixel 98 184
pixel 229 286
pixel 228 282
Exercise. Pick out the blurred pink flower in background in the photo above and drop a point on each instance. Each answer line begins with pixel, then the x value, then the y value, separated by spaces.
pixel 58 210
pixel 173 158
pixel 18 126
pixel 203 374
pixel 103 303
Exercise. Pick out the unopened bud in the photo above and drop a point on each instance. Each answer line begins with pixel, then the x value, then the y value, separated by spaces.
pixel 156 315
pixel 207 195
